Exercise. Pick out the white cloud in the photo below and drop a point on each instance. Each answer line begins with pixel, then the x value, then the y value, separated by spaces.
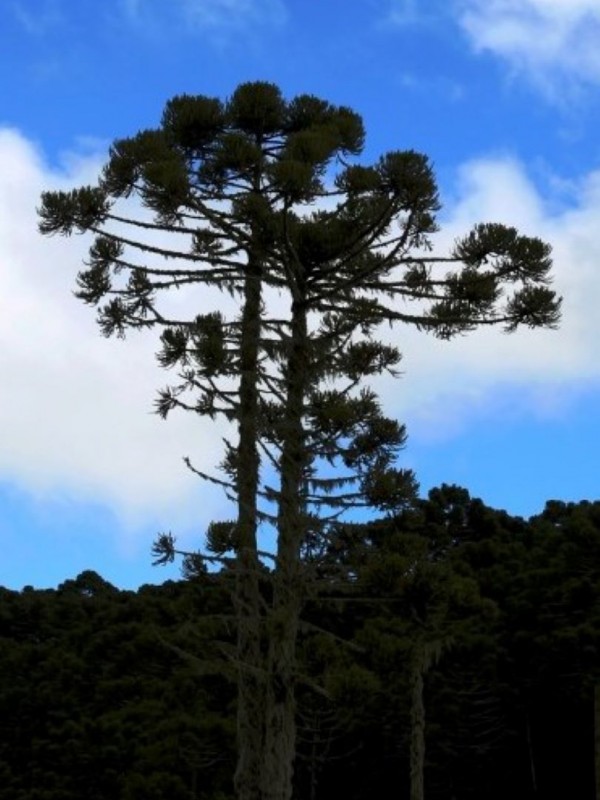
pixel 555 42
pixel 75 408
pixel 446 381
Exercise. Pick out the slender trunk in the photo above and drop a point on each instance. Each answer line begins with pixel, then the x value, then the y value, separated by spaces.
pixel 247 593
pixel 280 739
pixel 417 723
pixel 314 766
pixel 597 738
pixel 532 771
pixel 425 655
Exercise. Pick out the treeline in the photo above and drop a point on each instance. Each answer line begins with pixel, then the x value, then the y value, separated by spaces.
pixel 453 633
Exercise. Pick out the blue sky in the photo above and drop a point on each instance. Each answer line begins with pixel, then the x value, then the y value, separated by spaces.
pixel 503 95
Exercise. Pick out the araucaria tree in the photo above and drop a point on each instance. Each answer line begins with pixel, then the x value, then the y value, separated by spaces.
pixel 259 193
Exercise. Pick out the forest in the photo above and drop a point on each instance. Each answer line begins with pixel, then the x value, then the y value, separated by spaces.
pixel 449 627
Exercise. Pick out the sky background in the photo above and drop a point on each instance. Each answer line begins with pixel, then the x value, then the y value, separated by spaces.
pixel 503 95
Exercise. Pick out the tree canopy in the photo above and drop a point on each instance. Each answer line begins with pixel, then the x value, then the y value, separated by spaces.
pixel 109 693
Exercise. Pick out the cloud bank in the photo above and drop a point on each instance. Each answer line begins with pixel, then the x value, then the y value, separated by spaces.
pixel 75 408
pixel 539 370
pixel 554 42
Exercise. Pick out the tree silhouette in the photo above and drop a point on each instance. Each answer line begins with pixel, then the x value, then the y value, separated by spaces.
pixel 257 194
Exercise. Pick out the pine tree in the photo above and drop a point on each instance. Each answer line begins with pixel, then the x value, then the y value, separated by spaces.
pixel 255 194
pixel 344 268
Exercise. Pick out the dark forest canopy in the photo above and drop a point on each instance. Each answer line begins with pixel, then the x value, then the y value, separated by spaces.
pixel 119 694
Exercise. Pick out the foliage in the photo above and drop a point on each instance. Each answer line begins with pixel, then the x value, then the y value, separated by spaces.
pixel 108 693
pixel 256 194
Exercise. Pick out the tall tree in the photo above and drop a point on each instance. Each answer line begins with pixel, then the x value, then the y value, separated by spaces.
pixel 212 177
pixel 256 192
pixel 343 267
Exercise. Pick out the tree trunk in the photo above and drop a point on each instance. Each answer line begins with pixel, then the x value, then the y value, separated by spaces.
pixel 532 770
pixel 280 722
pixel 417 723
pixel 597 738
pixel 425 655
pixel 250 681
pixel 280 731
